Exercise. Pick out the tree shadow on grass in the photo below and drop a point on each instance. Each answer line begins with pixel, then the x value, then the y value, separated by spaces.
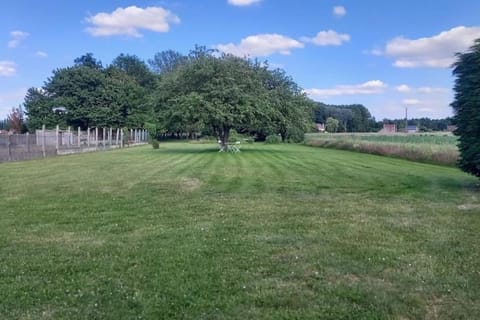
pixel 214 149
pixel 187 150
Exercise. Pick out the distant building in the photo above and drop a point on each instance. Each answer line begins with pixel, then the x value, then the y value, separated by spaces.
pixel 412 129
pixel 320 127
pixel 451 128
pixel 388 128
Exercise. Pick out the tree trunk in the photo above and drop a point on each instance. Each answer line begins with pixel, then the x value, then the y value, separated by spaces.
pixel 224 136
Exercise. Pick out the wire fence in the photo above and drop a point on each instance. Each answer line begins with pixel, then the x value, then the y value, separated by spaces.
pixel 47 143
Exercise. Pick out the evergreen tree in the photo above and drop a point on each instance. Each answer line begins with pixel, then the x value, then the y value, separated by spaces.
pixel 466 106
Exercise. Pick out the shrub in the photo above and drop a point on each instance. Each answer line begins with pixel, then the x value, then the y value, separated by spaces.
pixel 155 144
pixel 295 135
pixel 273 139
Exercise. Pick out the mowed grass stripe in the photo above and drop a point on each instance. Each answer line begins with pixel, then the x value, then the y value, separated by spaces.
pixel 281 231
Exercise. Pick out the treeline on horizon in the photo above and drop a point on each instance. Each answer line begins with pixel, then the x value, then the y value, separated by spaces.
pixel 204 92
pixel 181 95
pixel 357 118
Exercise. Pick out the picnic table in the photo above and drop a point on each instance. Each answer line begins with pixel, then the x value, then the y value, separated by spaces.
pixel 233 147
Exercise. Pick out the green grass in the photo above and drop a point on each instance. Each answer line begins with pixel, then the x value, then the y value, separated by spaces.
pixel 277 231
pixel 435 148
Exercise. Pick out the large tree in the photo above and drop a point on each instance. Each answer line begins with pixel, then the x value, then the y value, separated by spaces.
pixel 466 106
pixel 222 93
pixel 88 95
pixel 292 111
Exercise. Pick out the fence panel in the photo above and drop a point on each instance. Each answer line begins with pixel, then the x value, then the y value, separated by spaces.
pixel 47 143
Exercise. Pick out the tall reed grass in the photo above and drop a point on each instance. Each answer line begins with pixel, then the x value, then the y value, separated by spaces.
pixel 435 149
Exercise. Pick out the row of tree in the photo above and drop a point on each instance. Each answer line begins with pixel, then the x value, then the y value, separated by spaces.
pixel 202 92
pixel 423 124
pixel 181 95
pixel 357 118
pixel 214 93
pixel 351 118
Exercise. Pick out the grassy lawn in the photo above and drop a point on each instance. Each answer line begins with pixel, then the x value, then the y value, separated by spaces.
pixel 278 231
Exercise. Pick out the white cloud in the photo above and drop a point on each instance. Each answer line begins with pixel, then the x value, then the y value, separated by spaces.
pixel 369 87
pixel 128 21
pixel 437 51
pixel 328 38
pixel 261 45
pixel 339 11
pixel 403 88
pixel 242 3
pixel 432 90
pixel 41 54
pixel 16 37
pixel 7 68
pixel 410 102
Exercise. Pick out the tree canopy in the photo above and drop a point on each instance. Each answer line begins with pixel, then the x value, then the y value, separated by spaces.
pixel 351 118
pixel 217 93
pixel 15 121
pixel 466 106
pixel 166 61
pixel 89 95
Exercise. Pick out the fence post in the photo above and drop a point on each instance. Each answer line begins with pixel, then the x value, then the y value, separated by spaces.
pixel 43 141
pixel 96 138
pixel 56 138
pixel 28 142
pixel 110 138
pixel 88 137
pixel 9 145
pixel 121 138
pixel 69 132
pixel 78 137
pixel 117 136
pixel 103 137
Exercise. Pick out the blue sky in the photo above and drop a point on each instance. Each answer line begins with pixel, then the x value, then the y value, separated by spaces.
pixel 387 55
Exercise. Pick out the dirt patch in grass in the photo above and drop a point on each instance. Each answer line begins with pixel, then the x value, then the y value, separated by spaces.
pixel 469 206
pixel 190 184
pixel 65 238
pixel 434 309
